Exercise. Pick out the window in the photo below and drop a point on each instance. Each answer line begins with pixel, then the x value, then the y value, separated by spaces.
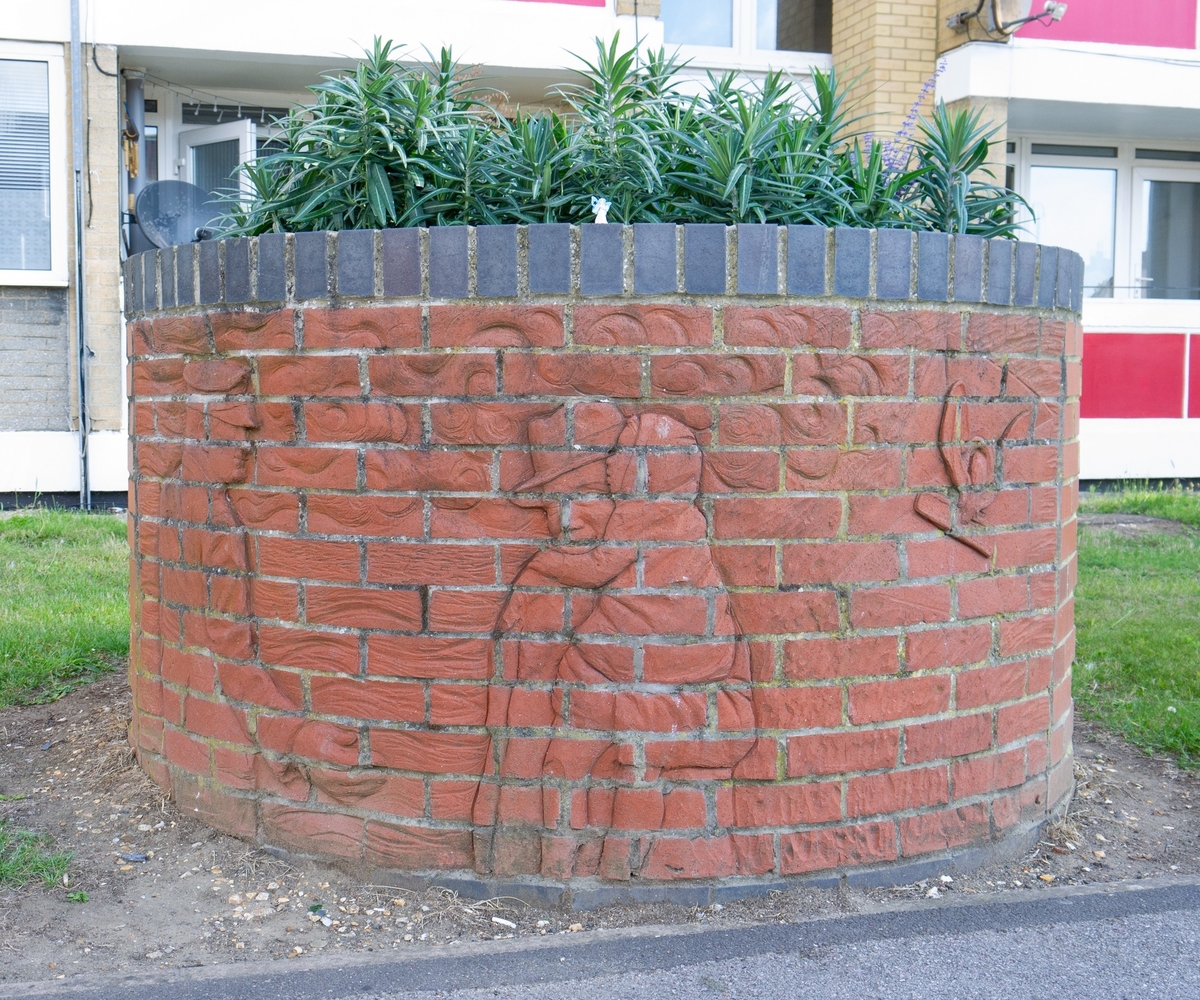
pixel 1131 210
pixel 1166 261
pixel 698 22
pixel 795 25
pixel 1075 207
pixel 32 165
pixel 749 31
pixel 151 165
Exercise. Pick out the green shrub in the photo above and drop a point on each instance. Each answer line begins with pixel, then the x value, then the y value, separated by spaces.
pixel 391 144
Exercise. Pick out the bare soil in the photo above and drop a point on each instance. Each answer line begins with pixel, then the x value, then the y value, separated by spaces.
pixel 1133 525
pixel 201 898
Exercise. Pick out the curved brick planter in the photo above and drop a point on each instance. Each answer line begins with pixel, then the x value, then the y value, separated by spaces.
pixel 596 557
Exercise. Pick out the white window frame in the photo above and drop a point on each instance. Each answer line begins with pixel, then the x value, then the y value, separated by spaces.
pixel 1141 173
pixel 745 54
pixel 56 276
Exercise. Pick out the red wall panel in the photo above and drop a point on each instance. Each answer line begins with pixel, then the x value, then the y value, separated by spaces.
pixel 1132 375
pixel 1167 23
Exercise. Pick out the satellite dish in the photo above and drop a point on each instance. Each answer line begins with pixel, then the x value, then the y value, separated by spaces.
pixel 172 212
pixel 1004 14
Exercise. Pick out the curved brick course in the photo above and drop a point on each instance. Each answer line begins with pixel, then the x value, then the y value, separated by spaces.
pixel 631 554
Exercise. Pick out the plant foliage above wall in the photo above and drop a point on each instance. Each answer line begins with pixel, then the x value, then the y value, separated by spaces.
pixel 395 144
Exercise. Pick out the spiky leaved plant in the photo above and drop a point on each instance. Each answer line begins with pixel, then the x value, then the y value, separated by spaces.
pixel 951 148
pixel 400 143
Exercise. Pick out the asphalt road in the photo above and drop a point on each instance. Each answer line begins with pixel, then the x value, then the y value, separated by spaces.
pixel 1128 941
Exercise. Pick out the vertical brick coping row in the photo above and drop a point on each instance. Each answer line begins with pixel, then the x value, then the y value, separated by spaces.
pixel 624 562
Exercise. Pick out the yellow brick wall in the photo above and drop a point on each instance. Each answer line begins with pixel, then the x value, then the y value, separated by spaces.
pixel 890 47
pixel 101 240
pixel 893 48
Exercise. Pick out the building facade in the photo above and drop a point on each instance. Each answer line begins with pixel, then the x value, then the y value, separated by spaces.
pixel 1099 119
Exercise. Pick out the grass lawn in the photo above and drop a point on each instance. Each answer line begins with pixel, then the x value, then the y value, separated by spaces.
pixel 64 607
pixel 1137 610
pixel 27 857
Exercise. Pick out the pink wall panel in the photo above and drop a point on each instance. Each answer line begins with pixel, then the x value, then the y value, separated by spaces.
pixel 1169 23
pixel 1194 378
pixel 1132 375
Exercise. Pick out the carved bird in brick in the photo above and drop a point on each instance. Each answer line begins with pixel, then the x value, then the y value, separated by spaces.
pixel 970 462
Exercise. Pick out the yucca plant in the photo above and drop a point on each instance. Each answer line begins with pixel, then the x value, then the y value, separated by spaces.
pixel 399 144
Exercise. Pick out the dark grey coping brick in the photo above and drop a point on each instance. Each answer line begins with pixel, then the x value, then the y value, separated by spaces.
pixel 1047 272
pixel 496 261
pixel 1023 292
pixel 1066 279
pixel 185 274
pixel 210 272
pixel 933 266
pixel 237 270
pixel 968 268
pixel 356 262
pixel 127 278
pixel 601 270
pixel 1018 272
pixel 312 266
pixel 402 262
pixel 893 270
pixel 166 272
pixel 654 267
pixel 704 258
pixel 806 260
pixel 150 280
pixel 1000 262
pixel 852 262
pixel 758 260
pixel 448 262
pixel 136 263
pixel 550 257
pixel 272 270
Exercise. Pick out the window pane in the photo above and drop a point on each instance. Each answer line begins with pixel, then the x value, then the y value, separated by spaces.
pixel 213 166
pixel 151 166
pixel 1171 256
pixel 698 22
pixel 1075 207
pixel 24 165
pixel 795 25
pixel 768 16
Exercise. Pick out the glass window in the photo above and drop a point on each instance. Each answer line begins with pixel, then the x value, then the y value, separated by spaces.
pixel 151 166
pixel 1075 207
pixel 24 165
pixel 215 163
pixel 698 22
pixel 795 25
pixel 1171 255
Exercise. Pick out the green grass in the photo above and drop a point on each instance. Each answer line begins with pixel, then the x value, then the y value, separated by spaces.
pixel 25 857
pixel 1137 668
pixel 64 611
pixel 1174 504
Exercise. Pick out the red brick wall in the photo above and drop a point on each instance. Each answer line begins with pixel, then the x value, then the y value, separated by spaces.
pixel 652 591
